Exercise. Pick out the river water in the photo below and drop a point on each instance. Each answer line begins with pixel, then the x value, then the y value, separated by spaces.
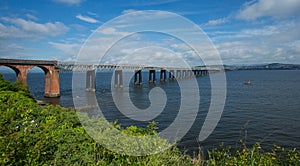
pixel 268 111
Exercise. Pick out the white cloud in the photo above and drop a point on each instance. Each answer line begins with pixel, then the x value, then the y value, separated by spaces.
pixel 152 56
pixel 128 11
pixel 32 17
pixel 278 42
pixel 217 21
pixel 7 32
pixel 243 52
pixel 86 19
pixel 112 31
pixel 92 13
pixel 181 46
pixel 69 2
pixel 13 29
pixel 279 32
pixel 257 52
pixel 70 51
pixel 288 32
pixel 152 3
pixel 277 9
pixel 21 28
pixel 15 50
pixel 79 27
pixel 265 31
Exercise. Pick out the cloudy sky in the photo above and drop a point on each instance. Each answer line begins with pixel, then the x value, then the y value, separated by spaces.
pixel 243 32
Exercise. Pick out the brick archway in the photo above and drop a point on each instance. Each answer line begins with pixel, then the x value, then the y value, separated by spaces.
pixel 22 67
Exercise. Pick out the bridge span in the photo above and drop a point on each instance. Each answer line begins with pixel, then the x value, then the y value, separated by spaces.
pixel 21 68
pixel 52 68
pixel 174 72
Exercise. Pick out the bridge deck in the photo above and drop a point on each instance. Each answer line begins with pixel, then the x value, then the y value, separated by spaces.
pixel 71 66
pixel 27 62
pixel 68 66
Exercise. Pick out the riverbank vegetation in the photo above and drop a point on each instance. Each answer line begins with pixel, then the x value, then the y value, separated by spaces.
pixel 31 134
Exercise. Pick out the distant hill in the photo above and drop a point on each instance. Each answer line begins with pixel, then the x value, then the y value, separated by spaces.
pixel 271 66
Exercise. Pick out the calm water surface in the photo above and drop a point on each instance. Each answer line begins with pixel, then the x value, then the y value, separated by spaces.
pixel 268 111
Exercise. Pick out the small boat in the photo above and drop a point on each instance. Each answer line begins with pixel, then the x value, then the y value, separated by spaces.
pixel 248 83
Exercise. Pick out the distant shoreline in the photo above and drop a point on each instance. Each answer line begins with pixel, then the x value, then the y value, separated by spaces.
pixel 271 66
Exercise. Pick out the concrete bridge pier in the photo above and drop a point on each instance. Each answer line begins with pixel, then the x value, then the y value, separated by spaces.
pixel 178 74
pixel 90 81
pixel 183 73
pixel 152 76
pixel 205 72
pixel 138 77
pixel 171 75
pixel 118 79
pixel 190 74
pixel 199 73
pixel 194 73
pixel 163 75
pixel 187 74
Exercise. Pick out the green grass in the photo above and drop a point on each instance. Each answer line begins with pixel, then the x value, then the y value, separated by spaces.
pixel 254 155
pixel 31 134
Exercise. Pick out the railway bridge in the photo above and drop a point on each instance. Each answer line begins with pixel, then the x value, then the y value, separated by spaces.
pixel 21 68
pixel 52 68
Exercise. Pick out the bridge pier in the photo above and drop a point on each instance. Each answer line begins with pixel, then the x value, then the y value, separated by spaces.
pixel 199 73
pixel 190 74
pixel 138 77
pixel 52 83
pixel 152 76
pixel 178 74
pixel 187 74
pixel 21 72
pixel 195 73
pixel 118 79
pixel 171 75
pixel 90 81
pixel 183 72
pixel 163 75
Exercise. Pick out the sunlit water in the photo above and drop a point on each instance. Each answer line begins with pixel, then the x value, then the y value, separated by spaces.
pixel 268 111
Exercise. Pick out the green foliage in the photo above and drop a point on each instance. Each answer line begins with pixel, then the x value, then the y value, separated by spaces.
pixel 130 140
pixel 253 156
pixel 31 134
pixel 15 86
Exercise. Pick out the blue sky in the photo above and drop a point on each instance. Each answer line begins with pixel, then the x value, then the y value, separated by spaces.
pixel 244 32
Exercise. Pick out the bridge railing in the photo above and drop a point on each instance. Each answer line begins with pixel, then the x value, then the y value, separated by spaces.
pixel 28 62
pixel 67 66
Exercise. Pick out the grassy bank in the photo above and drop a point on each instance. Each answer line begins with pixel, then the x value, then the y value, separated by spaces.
pixel 31 134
